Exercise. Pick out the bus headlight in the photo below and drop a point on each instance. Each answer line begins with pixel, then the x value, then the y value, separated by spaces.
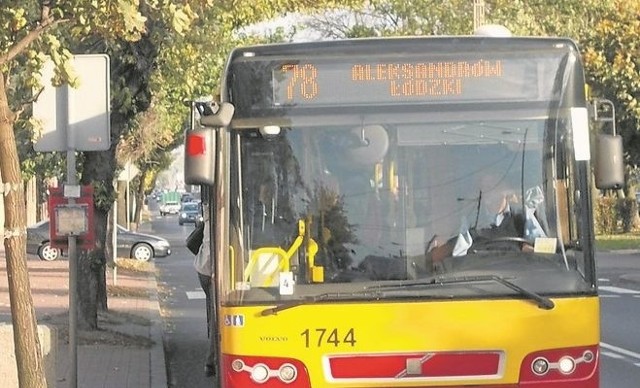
pixel 260 373
pixel 287 373
pixel 540 366
pixel 237 365
pixel 566 365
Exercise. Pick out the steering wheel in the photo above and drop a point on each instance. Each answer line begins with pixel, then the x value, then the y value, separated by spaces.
pixel 497 240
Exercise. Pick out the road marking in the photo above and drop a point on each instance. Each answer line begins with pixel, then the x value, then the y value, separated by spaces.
pixel 612 355
pixel 191 295
pixel 618 290
pixel 619 350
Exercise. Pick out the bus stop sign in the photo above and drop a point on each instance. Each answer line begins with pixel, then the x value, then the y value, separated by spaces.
pixel 75 118
pixel 71 219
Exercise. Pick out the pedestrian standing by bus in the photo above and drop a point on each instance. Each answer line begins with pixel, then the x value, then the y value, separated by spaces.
pixel 203 266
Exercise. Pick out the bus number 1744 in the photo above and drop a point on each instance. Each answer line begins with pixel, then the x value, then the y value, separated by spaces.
pixel 321 336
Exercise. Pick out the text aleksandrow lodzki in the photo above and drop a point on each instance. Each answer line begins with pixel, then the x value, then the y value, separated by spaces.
pixel 426 79
pixel 440 78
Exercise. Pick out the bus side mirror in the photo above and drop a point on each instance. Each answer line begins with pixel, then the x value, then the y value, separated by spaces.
pixel 199 156
pixel 220 118
pixel 609 163
pixel 200 141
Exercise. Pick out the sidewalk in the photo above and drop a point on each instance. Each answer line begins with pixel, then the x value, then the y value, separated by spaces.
pixel 127 351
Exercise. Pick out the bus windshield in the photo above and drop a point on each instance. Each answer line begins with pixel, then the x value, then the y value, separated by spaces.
pixel 337 201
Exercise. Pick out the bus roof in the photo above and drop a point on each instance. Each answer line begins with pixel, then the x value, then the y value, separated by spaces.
pixel 287 78
pixel 406 44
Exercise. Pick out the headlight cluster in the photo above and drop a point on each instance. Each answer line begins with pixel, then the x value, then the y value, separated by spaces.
pixel 260 372
pixel 565 365
pixel 572 366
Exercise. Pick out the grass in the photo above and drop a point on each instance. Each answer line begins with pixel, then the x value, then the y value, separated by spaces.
pixel 618 241
pixel 133 265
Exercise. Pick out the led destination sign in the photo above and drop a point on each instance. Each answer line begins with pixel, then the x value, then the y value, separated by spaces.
pixel 335 83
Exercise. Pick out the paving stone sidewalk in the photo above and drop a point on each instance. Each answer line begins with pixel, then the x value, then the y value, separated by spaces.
pixel 128 350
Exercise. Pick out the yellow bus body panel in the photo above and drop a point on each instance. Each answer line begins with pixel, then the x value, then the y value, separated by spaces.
pixel 515 327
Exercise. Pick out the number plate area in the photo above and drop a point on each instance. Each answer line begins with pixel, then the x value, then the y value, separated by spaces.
pixel 415 366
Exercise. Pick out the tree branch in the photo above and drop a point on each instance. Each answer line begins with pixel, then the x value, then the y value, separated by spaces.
pixel 46 21
pixel 28 103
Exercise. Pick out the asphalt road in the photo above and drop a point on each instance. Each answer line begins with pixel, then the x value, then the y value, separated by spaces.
pixel 619 279
pixel 183 308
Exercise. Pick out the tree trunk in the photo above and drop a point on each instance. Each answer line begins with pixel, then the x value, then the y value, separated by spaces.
pixel 25 330
pixel 122 204
pixel 635 216
pixel 140 196
pixel 98 169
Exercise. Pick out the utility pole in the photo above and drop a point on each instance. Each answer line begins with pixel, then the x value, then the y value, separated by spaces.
pixel 478 14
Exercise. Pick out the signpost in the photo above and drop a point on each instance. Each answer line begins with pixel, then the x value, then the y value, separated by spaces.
pixel 75 120
pixel 128 173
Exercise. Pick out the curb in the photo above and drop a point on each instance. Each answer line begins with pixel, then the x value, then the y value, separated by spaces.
pixel 157 363
pixel 157 366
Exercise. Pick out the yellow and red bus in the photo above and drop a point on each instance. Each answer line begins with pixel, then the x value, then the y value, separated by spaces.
pixel 403 212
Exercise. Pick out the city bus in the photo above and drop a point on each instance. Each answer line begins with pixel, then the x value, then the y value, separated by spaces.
pixel 404 212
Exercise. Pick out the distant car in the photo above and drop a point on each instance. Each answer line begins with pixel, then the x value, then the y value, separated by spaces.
pixel 190 212
pixel 169 208
pixel 139 246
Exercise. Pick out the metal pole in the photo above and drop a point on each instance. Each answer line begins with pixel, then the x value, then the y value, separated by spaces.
pixel 114 241
pixel 73 279
pixel 73 258
pixel 126 198
pixel 478 13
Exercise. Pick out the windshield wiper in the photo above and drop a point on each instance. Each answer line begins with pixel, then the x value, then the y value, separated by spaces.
pixel 317 298
pixel 542 301
pixel 378 291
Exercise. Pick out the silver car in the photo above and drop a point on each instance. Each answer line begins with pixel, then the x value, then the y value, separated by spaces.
pixel 139 246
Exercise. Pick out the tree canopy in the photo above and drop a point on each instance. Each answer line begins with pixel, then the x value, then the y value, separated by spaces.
pixel 607 32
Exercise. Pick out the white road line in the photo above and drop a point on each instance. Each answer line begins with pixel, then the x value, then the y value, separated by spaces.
pixel 619 350
pixel 612 355
pixel 618 290
pixel 609 296
pixel 195 295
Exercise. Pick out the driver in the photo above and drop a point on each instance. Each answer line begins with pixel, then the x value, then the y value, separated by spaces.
pixel 497 216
